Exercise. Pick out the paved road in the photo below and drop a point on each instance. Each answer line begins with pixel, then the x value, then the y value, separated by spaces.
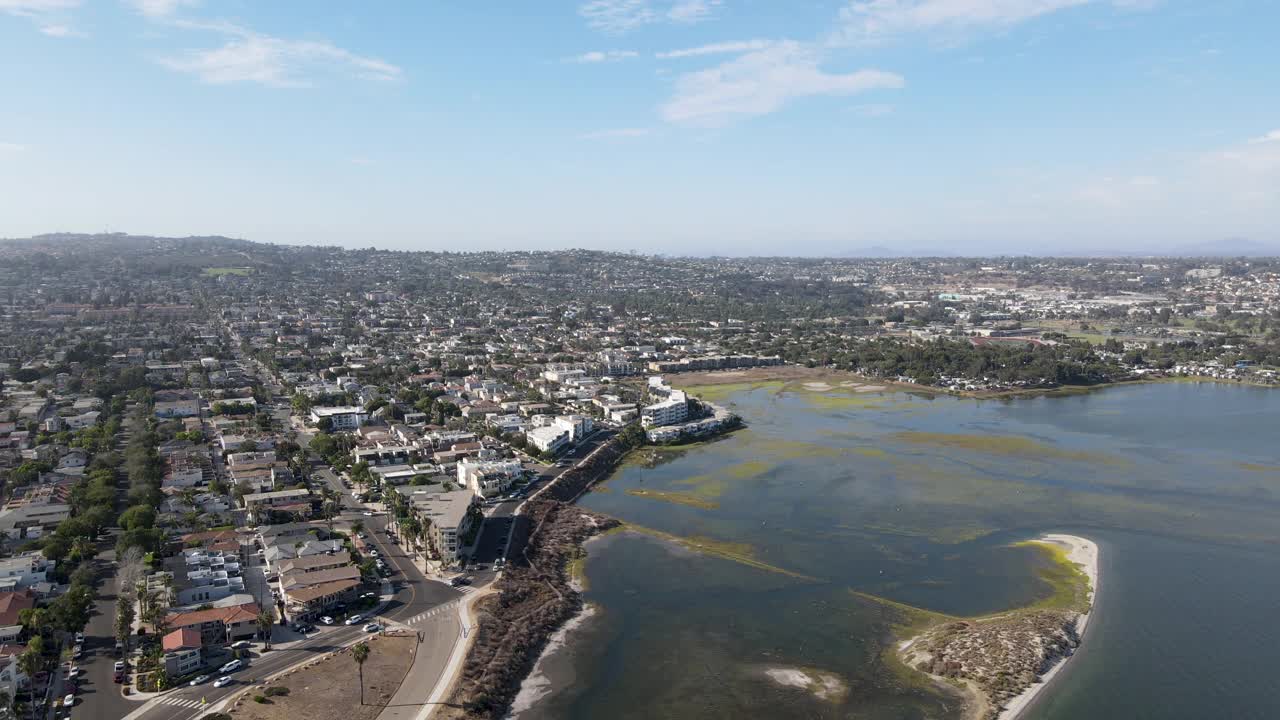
pixel 423 604
pixel 99 695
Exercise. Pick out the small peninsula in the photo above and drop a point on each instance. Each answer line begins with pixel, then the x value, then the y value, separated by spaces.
pixel 1004 661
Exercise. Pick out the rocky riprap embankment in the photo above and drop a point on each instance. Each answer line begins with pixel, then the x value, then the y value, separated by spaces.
pixel 1002 656
pixel 534 598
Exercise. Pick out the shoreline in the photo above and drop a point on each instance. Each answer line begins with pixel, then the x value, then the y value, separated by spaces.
pixel 1037 640
pixel 543 681
pixel 810 378
pixel 1084 553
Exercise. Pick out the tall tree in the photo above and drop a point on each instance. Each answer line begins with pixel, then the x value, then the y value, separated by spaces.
pixel 266 623
pixel 360 653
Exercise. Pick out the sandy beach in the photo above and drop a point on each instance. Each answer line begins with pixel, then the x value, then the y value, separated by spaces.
pixel 544 680
pixel 1084 553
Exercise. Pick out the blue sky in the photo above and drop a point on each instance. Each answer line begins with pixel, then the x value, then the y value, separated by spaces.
pixel 673 126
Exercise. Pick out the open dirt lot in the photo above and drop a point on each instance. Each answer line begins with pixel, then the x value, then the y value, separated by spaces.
pixel 330 689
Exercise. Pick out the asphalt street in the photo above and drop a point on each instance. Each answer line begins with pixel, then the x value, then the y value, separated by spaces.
pixel 412 602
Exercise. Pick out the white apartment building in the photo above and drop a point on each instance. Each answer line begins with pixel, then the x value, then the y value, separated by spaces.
pixel 343 417
pixel 673 410
pixel 487 478
pixel 548 439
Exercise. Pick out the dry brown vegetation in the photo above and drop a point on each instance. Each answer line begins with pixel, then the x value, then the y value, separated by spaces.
pixel 329 688
pixel 1002 656
pixel 531 602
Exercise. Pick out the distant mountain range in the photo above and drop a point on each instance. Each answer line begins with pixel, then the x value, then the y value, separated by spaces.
pixel 1225 248
pixel 1228 247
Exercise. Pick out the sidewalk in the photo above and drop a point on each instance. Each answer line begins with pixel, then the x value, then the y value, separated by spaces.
pixel 448 677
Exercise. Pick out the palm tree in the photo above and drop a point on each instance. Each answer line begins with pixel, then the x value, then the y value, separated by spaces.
pixel 266 621
pixel 83 548
pixel 29 664
pixel 357 526
pixel 360 653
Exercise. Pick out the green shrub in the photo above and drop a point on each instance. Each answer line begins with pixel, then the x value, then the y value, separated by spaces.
pixel 276 691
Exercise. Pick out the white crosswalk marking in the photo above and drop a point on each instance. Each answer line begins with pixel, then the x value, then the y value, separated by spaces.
pixel 432 612
pixel 181 702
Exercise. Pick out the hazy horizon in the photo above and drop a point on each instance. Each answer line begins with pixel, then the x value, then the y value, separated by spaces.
pixel 685 127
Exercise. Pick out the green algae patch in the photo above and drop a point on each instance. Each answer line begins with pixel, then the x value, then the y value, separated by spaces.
pixel 713 485
pixel 726 391
pixel 1000 445
pixel 1068 583
pixel 748 469
pixel 741 553
pixel 577 570
pixel 1258 467
pixel 678 498
pixel 830 401
pixel 942 534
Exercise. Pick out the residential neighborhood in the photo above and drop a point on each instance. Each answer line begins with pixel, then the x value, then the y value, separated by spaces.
pixel 284 458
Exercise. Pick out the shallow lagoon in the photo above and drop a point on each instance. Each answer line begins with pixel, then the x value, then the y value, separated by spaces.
pixel 918 499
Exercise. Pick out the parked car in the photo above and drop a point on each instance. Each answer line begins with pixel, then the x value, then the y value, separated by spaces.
pixel 372 627
pixel 79 638
pixel 369 595
pixel 241 645
pixel 120 665
pixel 326 620
pixel 223 681
pixel 355 619
pixel 304 628
pixel 74 672
pixel 118 676
pixel 199 680
pixel 232 666
pixel 69 700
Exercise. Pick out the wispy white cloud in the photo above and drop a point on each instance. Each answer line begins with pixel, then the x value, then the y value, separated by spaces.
pixel 616 133
pixel 692 11
pixel 62 31
pixel 1271 137
pixel 720 48
pixel 763 81
pixel 278 62
pixel 621 16
pixel 869 21
pixel 35 8
pixel 602 56
pixel 49 15
pixel 160 8
pixel 7 148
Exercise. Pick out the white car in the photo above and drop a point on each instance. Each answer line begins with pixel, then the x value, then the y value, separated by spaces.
pixel 74 672
pixel 79 638
pixel 326 620
pixel 119 665
pixel 69 700
pixel 368 513
pixel 373 552
pixel 372 627
pixel 200 680
pixel 241 645
pixel 223 681
pixel 232 666
pixel 355 619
